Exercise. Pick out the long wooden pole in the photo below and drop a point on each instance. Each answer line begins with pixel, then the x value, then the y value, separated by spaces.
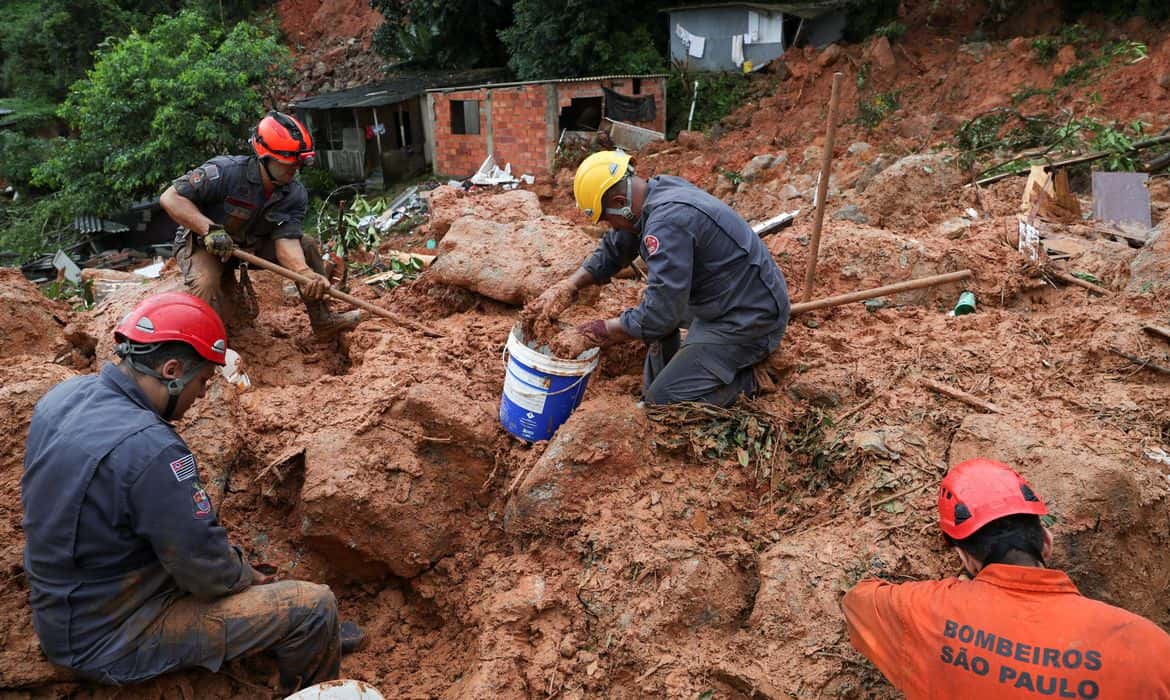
pixel 822 189
pixel 360 303
pixel 1072 279
pixel 906 286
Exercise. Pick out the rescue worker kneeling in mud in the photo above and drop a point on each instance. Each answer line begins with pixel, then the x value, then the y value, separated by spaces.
pixel 130 573
pixel 705 265
pixel 256 203
pixel 1015 629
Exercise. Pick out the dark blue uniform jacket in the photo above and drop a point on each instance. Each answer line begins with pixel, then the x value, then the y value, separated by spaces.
pixel 705 263
pixel 229 191
pixel 116 523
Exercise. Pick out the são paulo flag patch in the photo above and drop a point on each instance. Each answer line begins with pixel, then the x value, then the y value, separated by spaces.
pixel 651 245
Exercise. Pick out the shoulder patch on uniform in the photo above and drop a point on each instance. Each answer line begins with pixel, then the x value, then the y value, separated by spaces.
pixel 196 176
pixel 184 468
pixel 651 245
pixel 212 171
pixel 202 503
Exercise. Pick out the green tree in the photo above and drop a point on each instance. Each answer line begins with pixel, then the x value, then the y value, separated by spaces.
pixel 590 38
pixel 46 45
pixel 159 103
pixel 443 33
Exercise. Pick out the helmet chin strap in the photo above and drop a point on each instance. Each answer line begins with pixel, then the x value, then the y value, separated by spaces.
pixel 626 212
pixel 127 350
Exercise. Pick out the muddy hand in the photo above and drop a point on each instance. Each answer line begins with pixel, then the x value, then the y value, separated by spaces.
pixel 263 574
pixel 555 299
pixel 316 286
pixel 218 242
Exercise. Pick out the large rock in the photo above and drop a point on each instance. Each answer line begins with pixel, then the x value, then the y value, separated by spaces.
pixel 1109 507
pixel 375 501
pixel 602 441
pixel 450 203
pixel 30 323
pixel 509 262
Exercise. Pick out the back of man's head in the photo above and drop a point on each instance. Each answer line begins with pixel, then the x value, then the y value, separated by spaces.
pixel 990 512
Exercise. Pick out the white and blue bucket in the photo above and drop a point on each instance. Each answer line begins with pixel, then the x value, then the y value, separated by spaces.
pixel 540 391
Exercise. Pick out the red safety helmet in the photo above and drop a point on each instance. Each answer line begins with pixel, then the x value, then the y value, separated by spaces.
pixel 977 491
pixel 176 316
pixel 283 138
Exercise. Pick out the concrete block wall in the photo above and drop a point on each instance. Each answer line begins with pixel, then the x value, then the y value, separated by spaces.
pixel 518 124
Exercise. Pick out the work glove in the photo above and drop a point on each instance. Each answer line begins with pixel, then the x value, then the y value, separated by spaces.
pixel 218 242
pixel 316 286
pixel 552 302
pixel 570 343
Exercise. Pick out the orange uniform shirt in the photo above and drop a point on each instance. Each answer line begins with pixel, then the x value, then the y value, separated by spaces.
pixel 1012 632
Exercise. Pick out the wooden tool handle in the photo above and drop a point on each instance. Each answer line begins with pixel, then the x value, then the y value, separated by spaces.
pixel 362 304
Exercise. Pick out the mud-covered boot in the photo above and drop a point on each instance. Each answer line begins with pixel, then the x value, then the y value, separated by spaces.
pixel 327 324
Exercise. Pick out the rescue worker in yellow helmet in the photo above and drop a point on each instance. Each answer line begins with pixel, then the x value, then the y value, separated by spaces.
pixel 708 271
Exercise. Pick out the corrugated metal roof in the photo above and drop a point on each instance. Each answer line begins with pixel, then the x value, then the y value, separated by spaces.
pixel 89 225
pixel 810 9
pixel 458 88
pixel 394 89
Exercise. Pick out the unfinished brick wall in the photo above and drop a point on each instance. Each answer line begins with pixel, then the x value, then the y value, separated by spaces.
pixel 518 123
pixel 459 154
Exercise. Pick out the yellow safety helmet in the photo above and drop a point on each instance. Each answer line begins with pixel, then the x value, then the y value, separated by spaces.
pixel 595 176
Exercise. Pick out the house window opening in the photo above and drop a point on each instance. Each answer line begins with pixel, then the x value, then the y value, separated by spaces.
pixel 582 114
pixel 464 116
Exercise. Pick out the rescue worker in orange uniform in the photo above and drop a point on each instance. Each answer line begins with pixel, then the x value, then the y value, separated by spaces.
pixel 1016 629
pixel 256 203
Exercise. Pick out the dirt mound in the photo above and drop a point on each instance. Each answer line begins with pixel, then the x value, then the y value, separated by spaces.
pixel 921 179
pixel 600 443
pixel 30 324
pixel 1150 269
pixel 450 203
pixel 1097 498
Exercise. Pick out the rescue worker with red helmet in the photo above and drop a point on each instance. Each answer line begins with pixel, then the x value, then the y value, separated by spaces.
pixel 256 203
pixel 1014 629
pixel 130 573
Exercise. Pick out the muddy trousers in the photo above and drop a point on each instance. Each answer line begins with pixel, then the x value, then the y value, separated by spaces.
pixel 211 279
pixel 714 373
pixel 294 620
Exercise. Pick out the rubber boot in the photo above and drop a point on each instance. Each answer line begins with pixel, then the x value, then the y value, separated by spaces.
pixel 352 637
pixel 327 324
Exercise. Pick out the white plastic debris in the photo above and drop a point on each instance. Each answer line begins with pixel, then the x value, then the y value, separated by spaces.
pixel 490 174
pixel 338 690
pixel 233 370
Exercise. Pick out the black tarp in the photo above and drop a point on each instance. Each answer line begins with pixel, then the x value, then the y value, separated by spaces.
pixel 629 108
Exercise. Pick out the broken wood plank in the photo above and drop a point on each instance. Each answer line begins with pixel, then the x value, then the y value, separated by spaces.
pixel 1146 364
pixel 959 395
pixel 1066 246
pixel 1158 331
pixel 1072 279
pixel 906 286
pixel 1125 232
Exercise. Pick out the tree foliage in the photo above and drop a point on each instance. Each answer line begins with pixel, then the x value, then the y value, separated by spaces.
pixel 159 103
pixel 443 33
pixel 46 45
pixel 574 38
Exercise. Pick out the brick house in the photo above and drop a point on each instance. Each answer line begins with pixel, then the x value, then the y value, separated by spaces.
pixel 521 123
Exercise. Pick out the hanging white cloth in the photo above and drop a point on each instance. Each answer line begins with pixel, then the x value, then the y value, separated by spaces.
pixel 694 43
pixel 737 49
